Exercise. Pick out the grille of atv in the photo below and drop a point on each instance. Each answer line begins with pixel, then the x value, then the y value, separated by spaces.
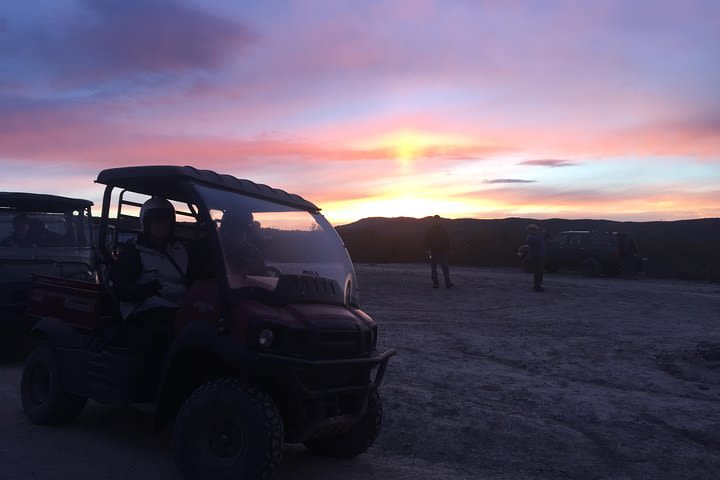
pixel 357 376
pixel 330 344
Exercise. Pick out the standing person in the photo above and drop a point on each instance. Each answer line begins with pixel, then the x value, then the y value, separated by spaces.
pixel 536 255
pixel 438 242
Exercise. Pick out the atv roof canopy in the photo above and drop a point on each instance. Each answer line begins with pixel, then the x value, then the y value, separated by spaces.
pixel 173 181
pixel 38 202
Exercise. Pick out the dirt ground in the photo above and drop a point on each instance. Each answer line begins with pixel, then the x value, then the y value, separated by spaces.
pixel 595 378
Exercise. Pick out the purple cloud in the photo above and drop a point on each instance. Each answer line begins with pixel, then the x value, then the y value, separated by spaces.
pixel 549 163
pixel 703 124
pixel 509 180
pixel 112 39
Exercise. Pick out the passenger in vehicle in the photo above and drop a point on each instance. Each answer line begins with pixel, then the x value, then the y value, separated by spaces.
pixel 41 236
pixel 21 233
pixel 242 254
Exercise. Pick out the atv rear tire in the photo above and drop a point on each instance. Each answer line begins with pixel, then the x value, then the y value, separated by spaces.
pixel 356 440
pixel 43 399
pixel 227 430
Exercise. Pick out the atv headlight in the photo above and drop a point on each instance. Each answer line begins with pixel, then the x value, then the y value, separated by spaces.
pixel 265 339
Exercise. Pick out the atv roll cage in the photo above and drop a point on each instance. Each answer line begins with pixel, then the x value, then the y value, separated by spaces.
pixel 317 269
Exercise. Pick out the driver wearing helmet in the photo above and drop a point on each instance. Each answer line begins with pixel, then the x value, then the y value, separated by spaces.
pixel 150 278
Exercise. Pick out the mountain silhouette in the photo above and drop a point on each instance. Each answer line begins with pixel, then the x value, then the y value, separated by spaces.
pixel 686 249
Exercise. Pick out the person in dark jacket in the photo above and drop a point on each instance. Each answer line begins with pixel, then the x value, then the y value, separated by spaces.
pixel 437 241
pixel 150 278
pixel 43 237
pixel 536 255
pixel 236 237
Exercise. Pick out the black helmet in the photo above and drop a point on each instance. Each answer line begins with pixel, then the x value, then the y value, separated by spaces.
pixel 237 220
pixel 156 209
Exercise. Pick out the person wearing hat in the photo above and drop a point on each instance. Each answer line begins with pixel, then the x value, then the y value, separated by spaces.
pixel 536 255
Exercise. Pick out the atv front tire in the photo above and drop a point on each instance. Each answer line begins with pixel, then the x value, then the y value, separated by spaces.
pixel 227 430
pixel 356 440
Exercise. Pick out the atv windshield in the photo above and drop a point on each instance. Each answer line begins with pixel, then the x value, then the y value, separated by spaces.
pixel 292 253
pixel 49 243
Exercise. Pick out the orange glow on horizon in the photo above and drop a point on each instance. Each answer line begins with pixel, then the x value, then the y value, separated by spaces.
pixel 406 205
pixel 407 145
pixel 416 205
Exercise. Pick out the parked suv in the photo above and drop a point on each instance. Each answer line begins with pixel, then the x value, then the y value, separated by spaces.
pixel 39 234
pixel 281 354
pixel 593 253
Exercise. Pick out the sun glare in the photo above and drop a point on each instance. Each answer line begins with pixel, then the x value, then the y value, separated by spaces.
pixel 406 146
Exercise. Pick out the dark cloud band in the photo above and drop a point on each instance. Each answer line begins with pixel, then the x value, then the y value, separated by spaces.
pixel 549 163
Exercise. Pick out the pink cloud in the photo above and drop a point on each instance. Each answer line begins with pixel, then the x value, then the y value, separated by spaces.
pixel 100 144
pixel 559 199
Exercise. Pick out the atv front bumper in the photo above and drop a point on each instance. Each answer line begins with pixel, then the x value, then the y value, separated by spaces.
pixel 319 397
pixel 302 369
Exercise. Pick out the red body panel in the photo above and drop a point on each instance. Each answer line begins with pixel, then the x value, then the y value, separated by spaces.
pixel 73 301
pixel 202 303
pixel 297 316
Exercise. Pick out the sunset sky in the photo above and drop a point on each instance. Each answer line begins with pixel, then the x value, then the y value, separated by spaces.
pixel 485 109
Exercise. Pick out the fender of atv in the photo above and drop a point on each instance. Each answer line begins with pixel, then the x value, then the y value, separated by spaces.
pixel 58 332
pixel 196 343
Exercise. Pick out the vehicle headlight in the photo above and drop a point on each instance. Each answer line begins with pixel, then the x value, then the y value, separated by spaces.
pixel 265 339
